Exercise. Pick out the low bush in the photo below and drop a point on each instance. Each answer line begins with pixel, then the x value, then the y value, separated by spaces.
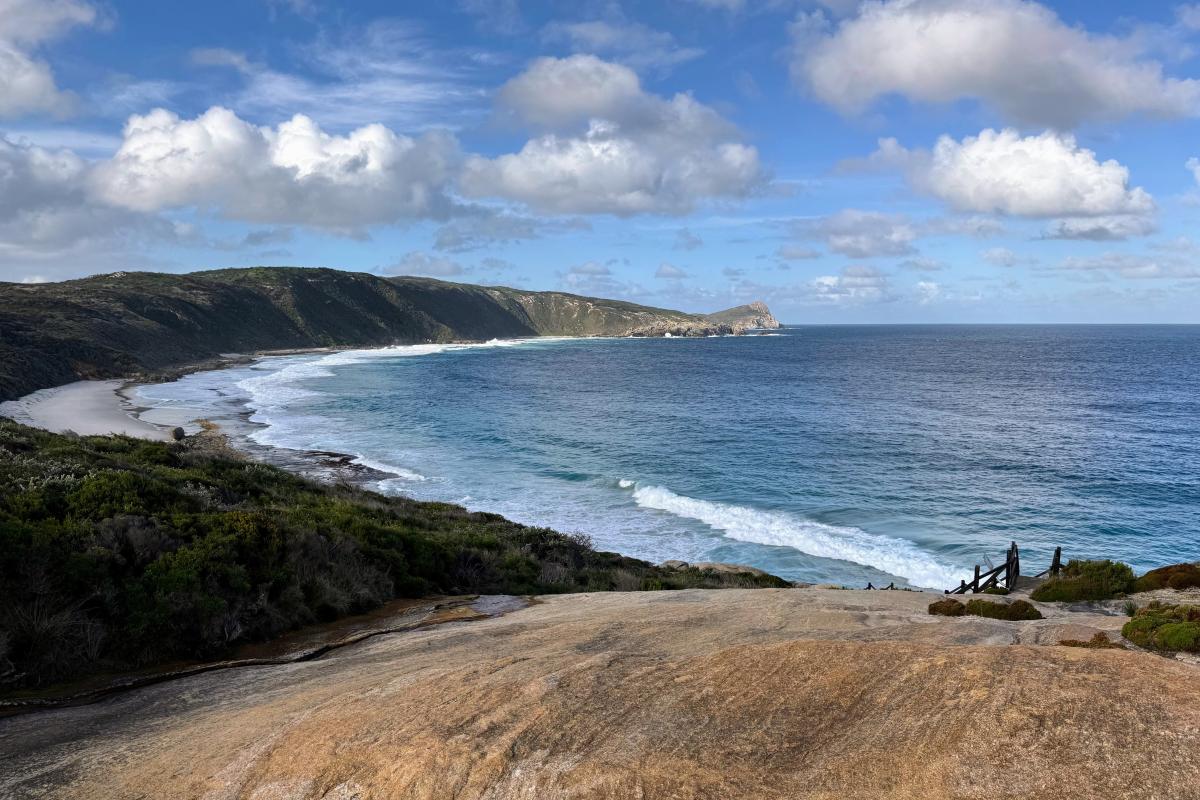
pixel 117 553
pixel 948 607
pixel 1164 627
pixel 977 607
pixel 1099 641
pixel 1086 581
pixel 1000 590
pixel 1015 611
pixel 1175 576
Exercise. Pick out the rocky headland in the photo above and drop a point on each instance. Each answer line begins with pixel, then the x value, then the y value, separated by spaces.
pixel 142 324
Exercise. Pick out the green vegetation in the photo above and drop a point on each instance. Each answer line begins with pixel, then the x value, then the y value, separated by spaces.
pixel 947 608
pixel 1159 626
pixel 1086 581
pixel 1130 607
pixel 1000 590
pixel 145 324
pixel 1176 576
pixel 977 607
pixel 1015 611
pixel 118 553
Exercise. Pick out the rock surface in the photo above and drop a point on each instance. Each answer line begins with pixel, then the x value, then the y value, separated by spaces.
pixel 798 693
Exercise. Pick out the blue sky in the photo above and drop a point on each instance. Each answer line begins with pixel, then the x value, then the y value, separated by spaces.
pixel 898 161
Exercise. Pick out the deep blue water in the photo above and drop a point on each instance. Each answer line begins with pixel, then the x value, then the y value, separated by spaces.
pixel 839 454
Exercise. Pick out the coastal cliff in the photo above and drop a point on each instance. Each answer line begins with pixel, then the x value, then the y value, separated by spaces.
pixel 142 323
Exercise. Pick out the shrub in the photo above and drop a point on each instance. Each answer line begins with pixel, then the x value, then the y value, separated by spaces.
pixel 1086 581
pixel 1015 611
pixel 1130 608
pixel 948 607
pixel 1099 641
pixel 117 553
pixel 1164 627
pixel 1000 590
pixel 1175 576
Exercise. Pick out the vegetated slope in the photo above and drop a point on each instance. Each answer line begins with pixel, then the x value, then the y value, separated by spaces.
pixel 117 552
pixel 127 324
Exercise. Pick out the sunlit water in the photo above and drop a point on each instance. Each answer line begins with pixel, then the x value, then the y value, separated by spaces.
pixel 841 454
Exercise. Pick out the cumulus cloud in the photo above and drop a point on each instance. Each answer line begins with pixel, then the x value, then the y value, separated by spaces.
pixel 27 84
pixel 46 211
pixel 1014 55
pixel 294 173
pixel 669 272
pixel 1039 176
pixel 607 146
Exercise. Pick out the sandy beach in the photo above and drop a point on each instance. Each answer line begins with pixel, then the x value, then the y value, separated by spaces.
pixel 85 407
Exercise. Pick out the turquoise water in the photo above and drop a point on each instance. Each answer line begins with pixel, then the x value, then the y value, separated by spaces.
pixel 841 454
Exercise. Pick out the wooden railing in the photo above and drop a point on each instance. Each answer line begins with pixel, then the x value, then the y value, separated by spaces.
pixel 1006 575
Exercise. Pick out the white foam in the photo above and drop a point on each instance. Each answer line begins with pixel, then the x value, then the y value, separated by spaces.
pixel 625 483
pixel 891 555
pixel 391 469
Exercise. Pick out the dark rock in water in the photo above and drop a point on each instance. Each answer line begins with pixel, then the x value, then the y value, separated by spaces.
pixel 177 434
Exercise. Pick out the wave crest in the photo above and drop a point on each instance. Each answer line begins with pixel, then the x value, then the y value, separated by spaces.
pixel 891 555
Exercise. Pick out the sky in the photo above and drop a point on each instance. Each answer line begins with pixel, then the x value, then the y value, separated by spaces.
pixel 846 162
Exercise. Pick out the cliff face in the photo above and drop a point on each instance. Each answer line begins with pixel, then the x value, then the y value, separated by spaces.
pixel 126 324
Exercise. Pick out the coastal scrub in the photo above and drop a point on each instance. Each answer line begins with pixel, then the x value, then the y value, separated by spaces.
pixel 118 553
pixel 1159 626
pixel 1086 581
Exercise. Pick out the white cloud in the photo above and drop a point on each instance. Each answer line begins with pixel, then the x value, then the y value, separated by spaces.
pixel 592 268
pixel 793 252
pixel 1040 176
pixel 863 234
pixel 418 263
pixel 1101 229
pixel 1131 266
pixel 1045 175
pixel 1016 56
pixel 387 72
pixel 857 284
pixel 928 292
pixel 669 272
pixel 607 146
pixel 1000 257
pixel 27 84
pixel 632 43
pixel 294 173
pixel 922 264
pixel 47 213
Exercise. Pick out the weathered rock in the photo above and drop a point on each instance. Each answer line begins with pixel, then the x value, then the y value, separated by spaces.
pixel 691 694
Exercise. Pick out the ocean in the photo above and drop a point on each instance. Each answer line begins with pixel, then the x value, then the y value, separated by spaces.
pixel 841 454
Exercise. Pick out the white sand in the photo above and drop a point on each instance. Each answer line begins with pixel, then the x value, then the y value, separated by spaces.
pixel 85 407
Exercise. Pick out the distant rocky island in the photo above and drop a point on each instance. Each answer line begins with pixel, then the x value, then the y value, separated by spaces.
pixel 143 323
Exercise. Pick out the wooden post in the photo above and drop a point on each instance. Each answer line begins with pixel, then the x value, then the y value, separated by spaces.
pixel 975 583
pixel 1056 563
pixel 1014 567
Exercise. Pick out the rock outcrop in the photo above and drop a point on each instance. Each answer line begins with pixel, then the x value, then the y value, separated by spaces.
pixel 765 694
